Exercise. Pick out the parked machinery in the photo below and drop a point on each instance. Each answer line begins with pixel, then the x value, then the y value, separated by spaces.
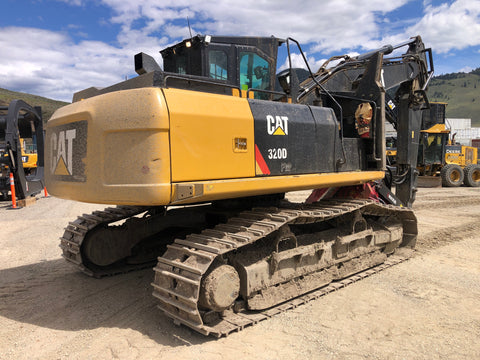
pixel 198 158
pixel 21 149
pixel 440 156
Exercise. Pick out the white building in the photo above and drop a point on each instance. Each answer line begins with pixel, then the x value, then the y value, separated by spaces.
pixel 462 128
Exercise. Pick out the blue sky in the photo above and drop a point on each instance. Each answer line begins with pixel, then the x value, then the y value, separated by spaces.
pixel 54 48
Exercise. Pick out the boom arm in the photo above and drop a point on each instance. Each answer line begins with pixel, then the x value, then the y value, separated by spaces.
pixel 394 86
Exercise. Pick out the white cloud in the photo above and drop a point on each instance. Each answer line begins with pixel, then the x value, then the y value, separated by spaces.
pixel 466 69
pixel 298 62
pixel 49 64
pixel 73 2
pixel 331 25
pixel 450 27
pixel 52 64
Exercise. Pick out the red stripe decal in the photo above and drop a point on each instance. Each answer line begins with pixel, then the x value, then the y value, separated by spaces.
pixel 261 161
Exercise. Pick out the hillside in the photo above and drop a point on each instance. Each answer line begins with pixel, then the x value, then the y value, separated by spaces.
pixel 48 105
pixel 462 93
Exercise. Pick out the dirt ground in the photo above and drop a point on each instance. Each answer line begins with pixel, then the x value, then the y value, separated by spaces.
pixel 425 308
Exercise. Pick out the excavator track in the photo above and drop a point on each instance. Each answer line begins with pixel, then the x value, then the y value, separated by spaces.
pixel 77 230
pixel 115 240
pixel 180 272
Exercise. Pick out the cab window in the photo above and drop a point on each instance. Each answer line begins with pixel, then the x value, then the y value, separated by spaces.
pixel 217 65
pixel 433 149
pixel 254 72
pixel 181 64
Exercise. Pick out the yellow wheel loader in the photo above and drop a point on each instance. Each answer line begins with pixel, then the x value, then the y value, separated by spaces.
pixel 440 157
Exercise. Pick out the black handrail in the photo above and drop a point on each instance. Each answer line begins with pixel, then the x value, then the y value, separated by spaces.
pixel 200 81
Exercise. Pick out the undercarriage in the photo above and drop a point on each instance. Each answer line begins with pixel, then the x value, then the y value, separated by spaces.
pixel 222 270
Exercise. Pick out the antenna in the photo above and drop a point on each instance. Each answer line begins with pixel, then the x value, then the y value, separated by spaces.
pixel 189 28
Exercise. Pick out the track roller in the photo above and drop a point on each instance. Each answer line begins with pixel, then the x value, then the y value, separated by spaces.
pixel 220 288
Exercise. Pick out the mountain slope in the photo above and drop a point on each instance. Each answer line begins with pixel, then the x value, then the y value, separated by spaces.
pixel 48 105
pixel 462 93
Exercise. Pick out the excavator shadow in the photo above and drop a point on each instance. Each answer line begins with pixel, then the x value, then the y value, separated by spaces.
pixel 51 294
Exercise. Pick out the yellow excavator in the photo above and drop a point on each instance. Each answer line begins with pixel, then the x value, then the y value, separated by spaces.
pixel 197 158
pixel 29 156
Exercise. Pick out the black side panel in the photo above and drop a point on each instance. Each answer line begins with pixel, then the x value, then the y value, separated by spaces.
pixel 355 158
pixel 294 139
pixel 161 79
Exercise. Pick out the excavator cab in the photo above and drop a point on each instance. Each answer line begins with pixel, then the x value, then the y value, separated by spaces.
pixel 205 63
pixel 246 62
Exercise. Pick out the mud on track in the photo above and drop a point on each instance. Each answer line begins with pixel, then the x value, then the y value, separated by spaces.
pixel 426 307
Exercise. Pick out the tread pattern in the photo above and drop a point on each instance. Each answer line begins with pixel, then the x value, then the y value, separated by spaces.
pixel 179 271
pixel 76 231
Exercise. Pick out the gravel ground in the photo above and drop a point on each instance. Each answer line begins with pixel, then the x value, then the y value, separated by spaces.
pixel 424 308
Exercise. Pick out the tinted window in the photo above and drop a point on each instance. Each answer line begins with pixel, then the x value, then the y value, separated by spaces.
pixel 181 64
pixel 254 72
pixel 217 65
